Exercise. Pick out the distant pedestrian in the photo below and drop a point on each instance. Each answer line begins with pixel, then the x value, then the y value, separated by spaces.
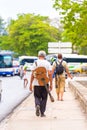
pixel 25 77
pixel 52 60
pixel 21 71
pixel 60 78
pixel 40 92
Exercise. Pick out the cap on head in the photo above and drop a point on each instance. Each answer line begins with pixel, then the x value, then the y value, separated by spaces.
pixel 59 56
pixel 42 53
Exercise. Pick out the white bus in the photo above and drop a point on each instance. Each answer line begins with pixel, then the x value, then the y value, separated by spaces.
pixel 74 60
pixel 6 63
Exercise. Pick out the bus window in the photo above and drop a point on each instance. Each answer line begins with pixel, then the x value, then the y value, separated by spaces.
pixel 77 60
pixel 6 64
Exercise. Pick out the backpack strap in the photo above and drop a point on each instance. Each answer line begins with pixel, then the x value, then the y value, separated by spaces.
pixel 56 86
pixel 58 62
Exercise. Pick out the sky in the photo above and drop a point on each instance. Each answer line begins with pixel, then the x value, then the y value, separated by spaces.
pixel 10 8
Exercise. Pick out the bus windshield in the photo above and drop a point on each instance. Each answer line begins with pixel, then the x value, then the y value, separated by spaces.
pixel 5 61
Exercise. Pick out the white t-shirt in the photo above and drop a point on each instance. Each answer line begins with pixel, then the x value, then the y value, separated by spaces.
pixel 40 63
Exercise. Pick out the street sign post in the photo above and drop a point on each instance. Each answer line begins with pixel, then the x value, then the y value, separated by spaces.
pixel 60 47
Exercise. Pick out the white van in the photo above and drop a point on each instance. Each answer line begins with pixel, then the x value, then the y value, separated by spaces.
pixel 27 61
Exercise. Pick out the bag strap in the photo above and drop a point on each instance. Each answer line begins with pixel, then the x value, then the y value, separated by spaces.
pixel 36 63
pixel 58 62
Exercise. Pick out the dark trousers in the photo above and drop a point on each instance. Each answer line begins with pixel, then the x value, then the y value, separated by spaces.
pixel 40 95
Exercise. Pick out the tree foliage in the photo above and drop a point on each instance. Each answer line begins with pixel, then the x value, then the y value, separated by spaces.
pixel 30 33
pixel 3 32
pixel 1 26
pixel 74 22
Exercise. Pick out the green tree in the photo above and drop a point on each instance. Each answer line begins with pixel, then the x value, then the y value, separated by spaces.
pixel 2 27
pixel 2 31
pixel 74 22
pixel 29 33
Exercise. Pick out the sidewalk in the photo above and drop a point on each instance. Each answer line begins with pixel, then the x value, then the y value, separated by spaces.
pixel 60 115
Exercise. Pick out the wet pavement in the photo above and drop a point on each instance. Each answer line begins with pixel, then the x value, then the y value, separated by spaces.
pixel 60 115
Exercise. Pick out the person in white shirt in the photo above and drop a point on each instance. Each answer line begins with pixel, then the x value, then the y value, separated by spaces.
pixel 40 92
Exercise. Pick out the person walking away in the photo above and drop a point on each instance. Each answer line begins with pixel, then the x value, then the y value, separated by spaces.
pixel 53 59
pixel 21 71
pixel 25 77
pixel 40 92
pixel 60 76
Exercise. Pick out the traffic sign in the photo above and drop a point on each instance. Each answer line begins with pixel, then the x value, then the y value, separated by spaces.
pixel 60 47
pixel 57 50
pixel 60 44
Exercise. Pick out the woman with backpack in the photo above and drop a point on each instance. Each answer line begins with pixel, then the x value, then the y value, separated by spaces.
pixel 61 67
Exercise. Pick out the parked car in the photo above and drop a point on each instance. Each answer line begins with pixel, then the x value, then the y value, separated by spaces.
pixel 0 90
pixel 81 68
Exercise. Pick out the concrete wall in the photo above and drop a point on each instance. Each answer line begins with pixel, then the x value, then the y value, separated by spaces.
pixel 80 93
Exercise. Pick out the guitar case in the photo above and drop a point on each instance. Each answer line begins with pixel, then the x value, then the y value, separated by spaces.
pixel 40 74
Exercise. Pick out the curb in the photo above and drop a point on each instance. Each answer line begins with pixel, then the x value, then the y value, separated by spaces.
pixel 15 106
pixel 80 93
